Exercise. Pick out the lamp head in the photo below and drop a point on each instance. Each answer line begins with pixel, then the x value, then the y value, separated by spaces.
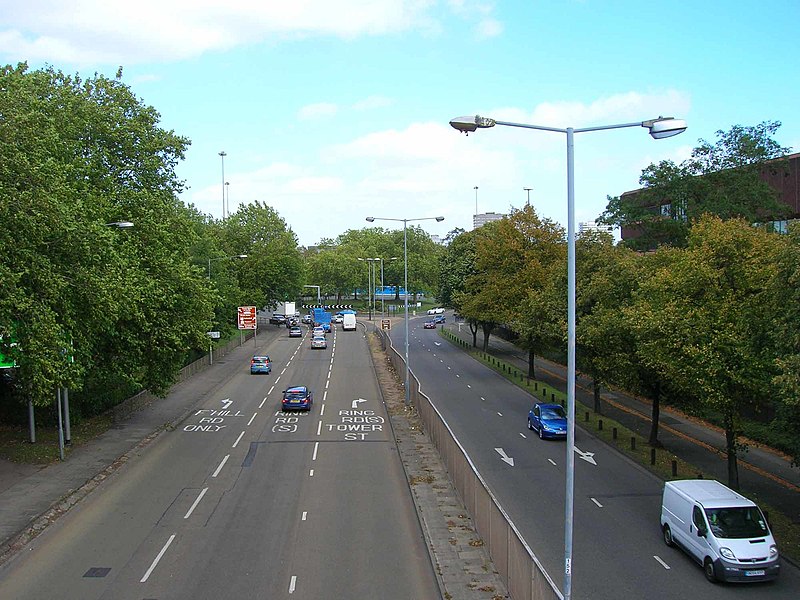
pixel 470 124
pixel 120 224
pixel 371 219
pixel 664 127
pixel 439 219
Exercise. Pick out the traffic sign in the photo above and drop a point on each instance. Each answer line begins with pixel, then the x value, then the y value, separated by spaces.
pixel 386 324
pixel 247 317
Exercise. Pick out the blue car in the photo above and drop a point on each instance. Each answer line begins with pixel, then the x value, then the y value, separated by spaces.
pixel 327 327
pixel 438 319
pixel 297 397
pixel 549 420
pixel 260 364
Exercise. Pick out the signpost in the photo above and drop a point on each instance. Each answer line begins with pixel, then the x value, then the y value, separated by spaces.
pixel 386 324
pixel 248 320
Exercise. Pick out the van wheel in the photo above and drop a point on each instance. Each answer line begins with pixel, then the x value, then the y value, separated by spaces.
pixel 708 569
pixel 668 536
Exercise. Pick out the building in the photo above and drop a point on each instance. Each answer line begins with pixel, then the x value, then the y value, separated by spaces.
pixel 586 226
pixel 484 218
pixel 785 182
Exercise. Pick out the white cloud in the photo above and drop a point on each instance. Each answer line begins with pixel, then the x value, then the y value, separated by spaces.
pixel 373 102
pixel 316 111
pixel 114 32
pixel 489 28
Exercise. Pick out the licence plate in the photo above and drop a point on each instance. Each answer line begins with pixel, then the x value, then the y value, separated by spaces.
pixel 757 573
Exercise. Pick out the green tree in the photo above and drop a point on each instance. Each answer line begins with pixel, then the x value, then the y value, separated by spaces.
pixel 711 332
pixel 723 178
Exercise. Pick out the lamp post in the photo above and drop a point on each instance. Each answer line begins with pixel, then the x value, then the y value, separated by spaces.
pixel 228 197
pixel 383 291
pixel 370 292
pixel 319 299
pixel 222 156
pixel 476 199
pixel 528 202
pixel 662 127
pixel 405 283
pixel 223 258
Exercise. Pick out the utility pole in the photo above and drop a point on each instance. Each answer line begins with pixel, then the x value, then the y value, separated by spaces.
pixel 528 203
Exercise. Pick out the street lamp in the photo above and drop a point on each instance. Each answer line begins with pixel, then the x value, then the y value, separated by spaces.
pixel 223 258
pixel 222 156
pixel 662 127
pixel 383 291
pixel 405 283
pixel 228 197
pixel 528 203
pixel 120 224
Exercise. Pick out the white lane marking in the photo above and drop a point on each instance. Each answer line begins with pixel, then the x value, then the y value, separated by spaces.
pixel 157 558
pixel 482 398
pixel 596 502
pixel 330 368
pixel 469 386
pixel 236 443
pixel 356 402
pixel 222 464
pixel 440 360
pixel 327 383
pixel 270 391
pixel 292 584
pixel 552 462
pixel 504 457
pixel 322 410
pixel 499 414
pixel 311 473
pixel 319 427
pixel 284 370
pixel 226 403
pixel 324 396
pixel 276 381
pixel 305 514
pixel 663 564
pixel 457 375
pixel 250 422
pixel 262 403
pixel 523 435
pixel 449 369
pixel 316 447
pixel 195 503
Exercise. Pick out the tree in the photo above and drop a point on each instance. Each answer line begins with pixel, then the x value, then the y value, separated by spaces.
pixel 723 178
pixel 711 323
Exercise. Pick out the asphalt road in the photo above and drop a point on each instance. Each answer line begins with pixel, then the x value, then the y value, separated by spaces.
pixel 618 551
pixel 243 501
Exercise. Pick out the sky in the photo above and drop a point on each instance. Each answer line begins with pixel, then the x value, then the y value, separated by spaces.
pixel 331 111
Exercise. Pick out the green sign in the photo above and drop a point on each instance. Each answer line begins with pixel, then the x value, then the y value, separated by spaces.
pixel 6 362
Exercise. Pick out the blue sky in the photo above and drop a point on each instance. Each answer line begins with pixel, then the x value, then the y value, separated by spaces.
pixel 331 111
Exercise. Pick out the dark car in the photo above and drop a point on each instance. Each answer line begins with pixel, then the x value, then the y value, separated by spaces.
pixel 429 325
pixel 260 364
pixel 277 319
pixel 295 331
pixel 438 319
pixel 549 420
pixel 297 397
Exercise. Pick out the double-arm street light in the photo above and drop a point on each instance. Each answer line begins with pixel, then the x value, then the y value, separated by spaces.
pixel 223 258
pixel 662 127
pixel 405 223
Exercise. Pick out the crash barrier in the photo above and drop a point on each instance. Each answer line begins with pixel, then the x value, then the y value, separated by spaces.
pixel 127 407
pixel 521 571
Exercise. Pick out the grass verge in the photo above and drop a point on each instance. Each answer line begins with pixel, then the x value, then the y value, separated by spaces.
pixel 659 461
pixel 15 443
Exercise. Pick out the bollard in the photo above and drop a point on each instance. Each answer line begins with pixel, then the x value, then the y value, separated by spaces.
pixel 613 433
pixel 552 398
pixel 536 386
pixel 544 393
pixel 599 424
pixel 699 475
pixel 633 443
pixel 674 468
pixel 652 456
pixel 587 416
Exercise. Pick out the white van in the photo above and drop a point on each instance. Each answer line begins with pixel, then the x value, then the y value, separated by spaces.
pixel 722 530
pixel 348 322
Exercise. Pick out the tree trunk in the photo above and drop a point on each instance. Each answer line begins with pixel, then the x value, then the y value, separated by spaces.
pixel 473 327
pixel 655 416
pixel 487 330
pixel 531 365
pixel 598 406
pixel 730 448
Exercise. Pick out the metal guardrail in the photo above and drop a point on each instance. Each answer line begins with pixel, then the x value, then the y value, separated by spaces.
pixel 521 571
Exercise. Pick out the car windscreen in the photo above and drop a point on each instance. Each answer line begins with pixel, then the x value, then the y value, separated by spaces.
pixel 260 359
pixel 737 523
pixel 553 413
pixel 295 395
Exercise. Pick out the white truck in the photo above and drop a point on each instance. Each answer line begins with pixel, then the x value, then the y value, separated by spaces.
pixel 723 531
pixel 348 322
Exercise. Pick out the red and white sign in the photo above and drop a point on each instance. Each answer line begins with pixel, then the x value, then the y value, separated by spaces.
pixel 247 317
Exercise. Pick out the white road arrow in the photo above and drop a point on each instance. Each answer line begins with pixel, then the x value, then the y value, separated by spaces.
pixel 357 402
pixel 504 457
pixel 437 343
pixel 226 403
pixel 587 456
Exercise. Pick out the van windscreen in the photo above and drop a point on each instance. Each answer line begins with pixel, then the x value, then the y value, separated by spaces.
pixel 737 523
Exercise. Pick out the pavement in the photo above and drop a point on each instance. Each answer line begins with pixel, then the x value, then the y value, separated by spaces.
pixel 764 473
pixel 32 497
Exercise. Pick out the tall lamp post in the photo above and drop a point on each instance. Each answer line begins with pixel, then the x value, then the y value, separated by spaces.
pixel 662 127
pixel 405 223
pixel 222 156
pixel 528 202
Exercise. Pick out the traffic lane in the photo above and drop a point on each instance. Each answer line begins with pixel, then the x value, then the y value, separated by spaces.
pixel 645 492
pixel 106 528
